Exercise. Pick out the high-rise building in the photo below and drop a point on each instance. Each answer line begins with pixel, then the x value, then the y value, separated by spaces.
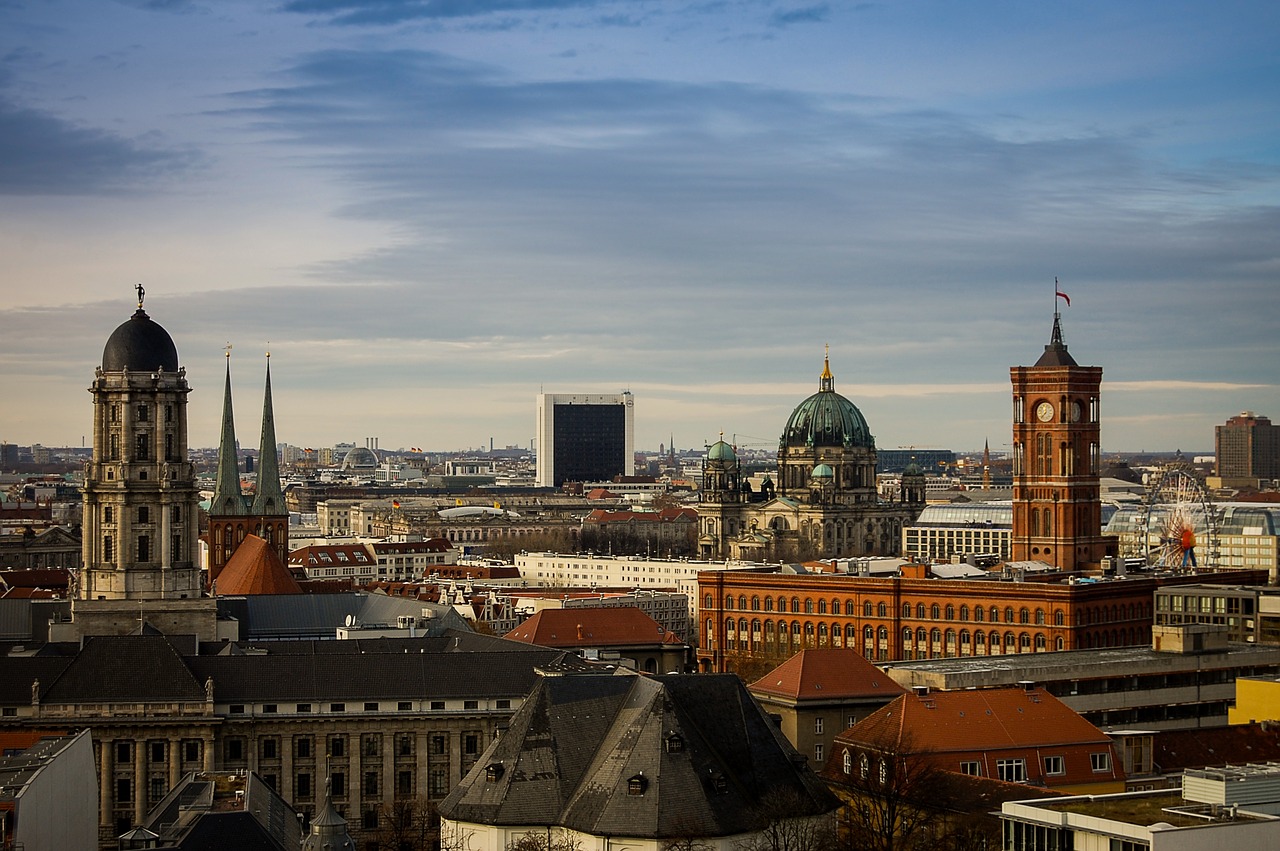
pixel 140 497
pixel 584 437
pixel 1248 447
pixel 1057 512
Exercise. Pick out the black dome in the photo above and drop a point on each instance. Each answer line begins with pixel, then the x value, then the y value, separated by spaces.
pixel 140 345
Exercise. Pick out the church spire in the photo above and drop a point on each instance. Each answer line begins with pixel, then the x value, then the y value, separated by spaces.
pixel 826 381
pixel 269 500
pixel 227 498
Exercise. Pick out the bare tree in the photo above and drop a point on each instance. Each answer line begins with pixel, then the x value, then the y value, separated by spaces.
pixel 897 798
pixel 786 827
pixel 545 839
pixel 408 825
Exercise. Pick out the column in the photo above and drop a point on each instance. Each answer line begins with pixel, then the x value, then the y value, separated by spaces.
pixel 139 780
pixel 175 761
pixel 421 746
pixel 206 746
pixel 455 758
pixel 287 790
pixel 387 787
pixel 106 789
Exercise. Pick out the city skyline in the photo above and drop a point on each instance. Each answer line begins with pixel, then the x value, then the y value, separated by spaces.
pixel 431 212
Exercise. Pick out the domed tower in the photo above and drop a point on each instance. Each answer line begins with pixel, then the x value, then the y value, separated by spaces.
pixel 721 498
pixel 913 485
pixel 140 498
pixel 827 430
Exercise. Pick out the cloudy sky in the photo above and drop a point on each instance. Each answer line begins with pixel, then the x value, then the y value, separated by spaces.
pixel 429 210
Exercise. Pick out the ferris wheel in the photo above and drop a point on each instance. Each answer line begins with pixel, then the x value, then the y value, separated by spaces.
pixel 1179 522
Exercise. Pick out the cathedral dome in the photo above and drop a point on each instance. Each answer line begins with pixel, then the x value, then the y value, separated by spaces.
pixel 140 345
pixel 721 451
pixel 824 471
pixel 827 419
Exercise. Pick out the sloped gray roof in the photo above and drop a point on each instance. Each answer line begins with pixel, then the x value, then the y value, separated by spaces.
pixel 572 750
pixel 319 615
pixel 125 668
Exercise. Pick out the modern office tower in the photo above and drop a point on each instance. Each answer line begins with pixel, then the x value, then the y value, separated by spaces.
pixel 1247 447
pixel 584 437
pixel 1057 513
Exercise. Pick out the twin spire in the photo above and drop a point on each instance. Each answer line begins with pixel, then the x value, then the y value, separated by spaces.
pixel 228 499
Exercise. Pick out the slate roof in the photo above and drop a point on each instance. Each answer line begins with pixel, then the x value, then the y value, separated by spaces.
pixel 625 626
pixel 704 754
pixel 124 668
pixel 832 673
pixel 281 616
pixel 324 675
pixel 255 568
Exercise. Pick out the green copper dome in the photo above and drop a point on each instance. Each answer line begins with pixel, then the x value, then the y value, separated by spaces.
pixel 721 451
pixel 823 471
pixel 827 419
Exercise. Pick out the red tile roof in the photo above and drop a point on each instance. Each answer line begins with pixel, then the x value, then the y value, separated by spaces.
pixel 254 568
pixel 621 627
pixel 828 673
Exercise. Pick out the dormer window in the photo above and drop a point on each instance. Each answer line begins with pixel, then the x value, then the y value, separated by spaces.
pixel 493 772
pixel 674 743
pixel 637 784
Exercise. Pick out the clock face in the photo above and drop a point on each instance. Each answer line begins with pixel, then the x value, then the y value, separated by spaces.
pixel 1044 412
pixel 1075 412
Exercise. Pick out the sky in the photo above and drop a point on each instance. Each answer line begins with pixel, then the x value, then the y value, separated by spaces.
pixel 429 211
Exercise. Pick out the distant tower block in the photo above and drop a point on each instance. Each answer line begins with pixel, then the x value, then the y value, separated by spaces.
pixel 584 438
pixel 140 497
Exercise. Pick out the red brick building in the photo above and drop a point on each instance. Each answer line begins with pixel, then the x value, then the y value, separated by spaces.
pixel 762 614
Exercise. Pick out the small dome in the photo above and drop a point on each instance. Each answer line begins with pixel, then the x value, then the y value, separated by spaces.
pixel 721 451
pixel 827 419
pixel 823 471
pixel 913 469
pixel 140 345
pixel 360 458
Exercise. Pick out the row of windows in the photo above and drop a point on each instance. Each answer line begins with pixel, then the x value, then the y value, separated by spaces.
pixel 935 612
pixel 937 637
pixel 236 748
pixel 143 514
pixel 368 706
pixel 142 549
pixel 158 751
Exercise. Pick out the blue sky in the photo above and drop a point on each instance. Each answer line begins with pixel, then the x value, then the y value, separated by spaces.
pixel 429 210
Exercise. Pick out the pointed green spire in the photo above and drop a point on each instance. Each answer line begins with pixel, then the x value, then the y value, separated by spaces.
pixel 269 501
pixel 227 499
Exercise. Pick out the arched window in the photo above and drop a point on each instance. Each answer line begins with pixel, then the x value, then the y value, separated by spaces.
pixel 1035 523
pixel 728 601
pixel 1040 643
pixel 951 612
pixel 1024 643
pixel 782 604
pixel 1039 617
pixel 866 608
pixel 706 601
pixel 1059 643
pixel 808 606
pixel 822 607
pixel 882 609
pixel 1058 618
pixel 850 631
pixel 995 615
pixel 868 634
pixel 849 607
pixel 920 611
pixel 978 613
pixel 906 610
pixel 935 611
pixel 755 604
pixel 768 604
pixel 742 601
pixel 1008 614
pixel 847 762
pixel 964 613
pixel 864 766
pixel 1048 523
pixel 795 605
pixel 822 634
pixel 835 606
pixel 921 635
pixel 1024 615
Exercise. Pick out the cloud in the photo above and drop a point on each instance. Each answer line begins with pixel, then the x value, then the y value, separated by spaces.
pixel 815 14
pixel 385 12
pixel 44 155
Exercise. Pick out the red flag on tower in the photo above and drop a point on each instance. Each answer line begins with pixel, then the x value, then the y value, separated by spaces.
pixel 1060 294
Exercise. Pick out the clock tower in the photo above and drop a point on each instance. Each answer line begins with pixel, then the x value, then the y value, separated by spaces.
pixel 1057 511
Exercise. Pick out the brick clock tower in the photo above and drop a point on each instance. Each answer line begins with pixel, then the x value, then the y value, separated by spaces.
pixel 1057 512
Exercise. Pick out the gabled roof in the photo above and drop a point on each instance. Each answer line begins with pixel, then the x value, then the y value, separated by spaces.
pixel 254 568
pixel 655 757
pixel 620 627
pixel 975 720
pixel 835 673
pixel 125 668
